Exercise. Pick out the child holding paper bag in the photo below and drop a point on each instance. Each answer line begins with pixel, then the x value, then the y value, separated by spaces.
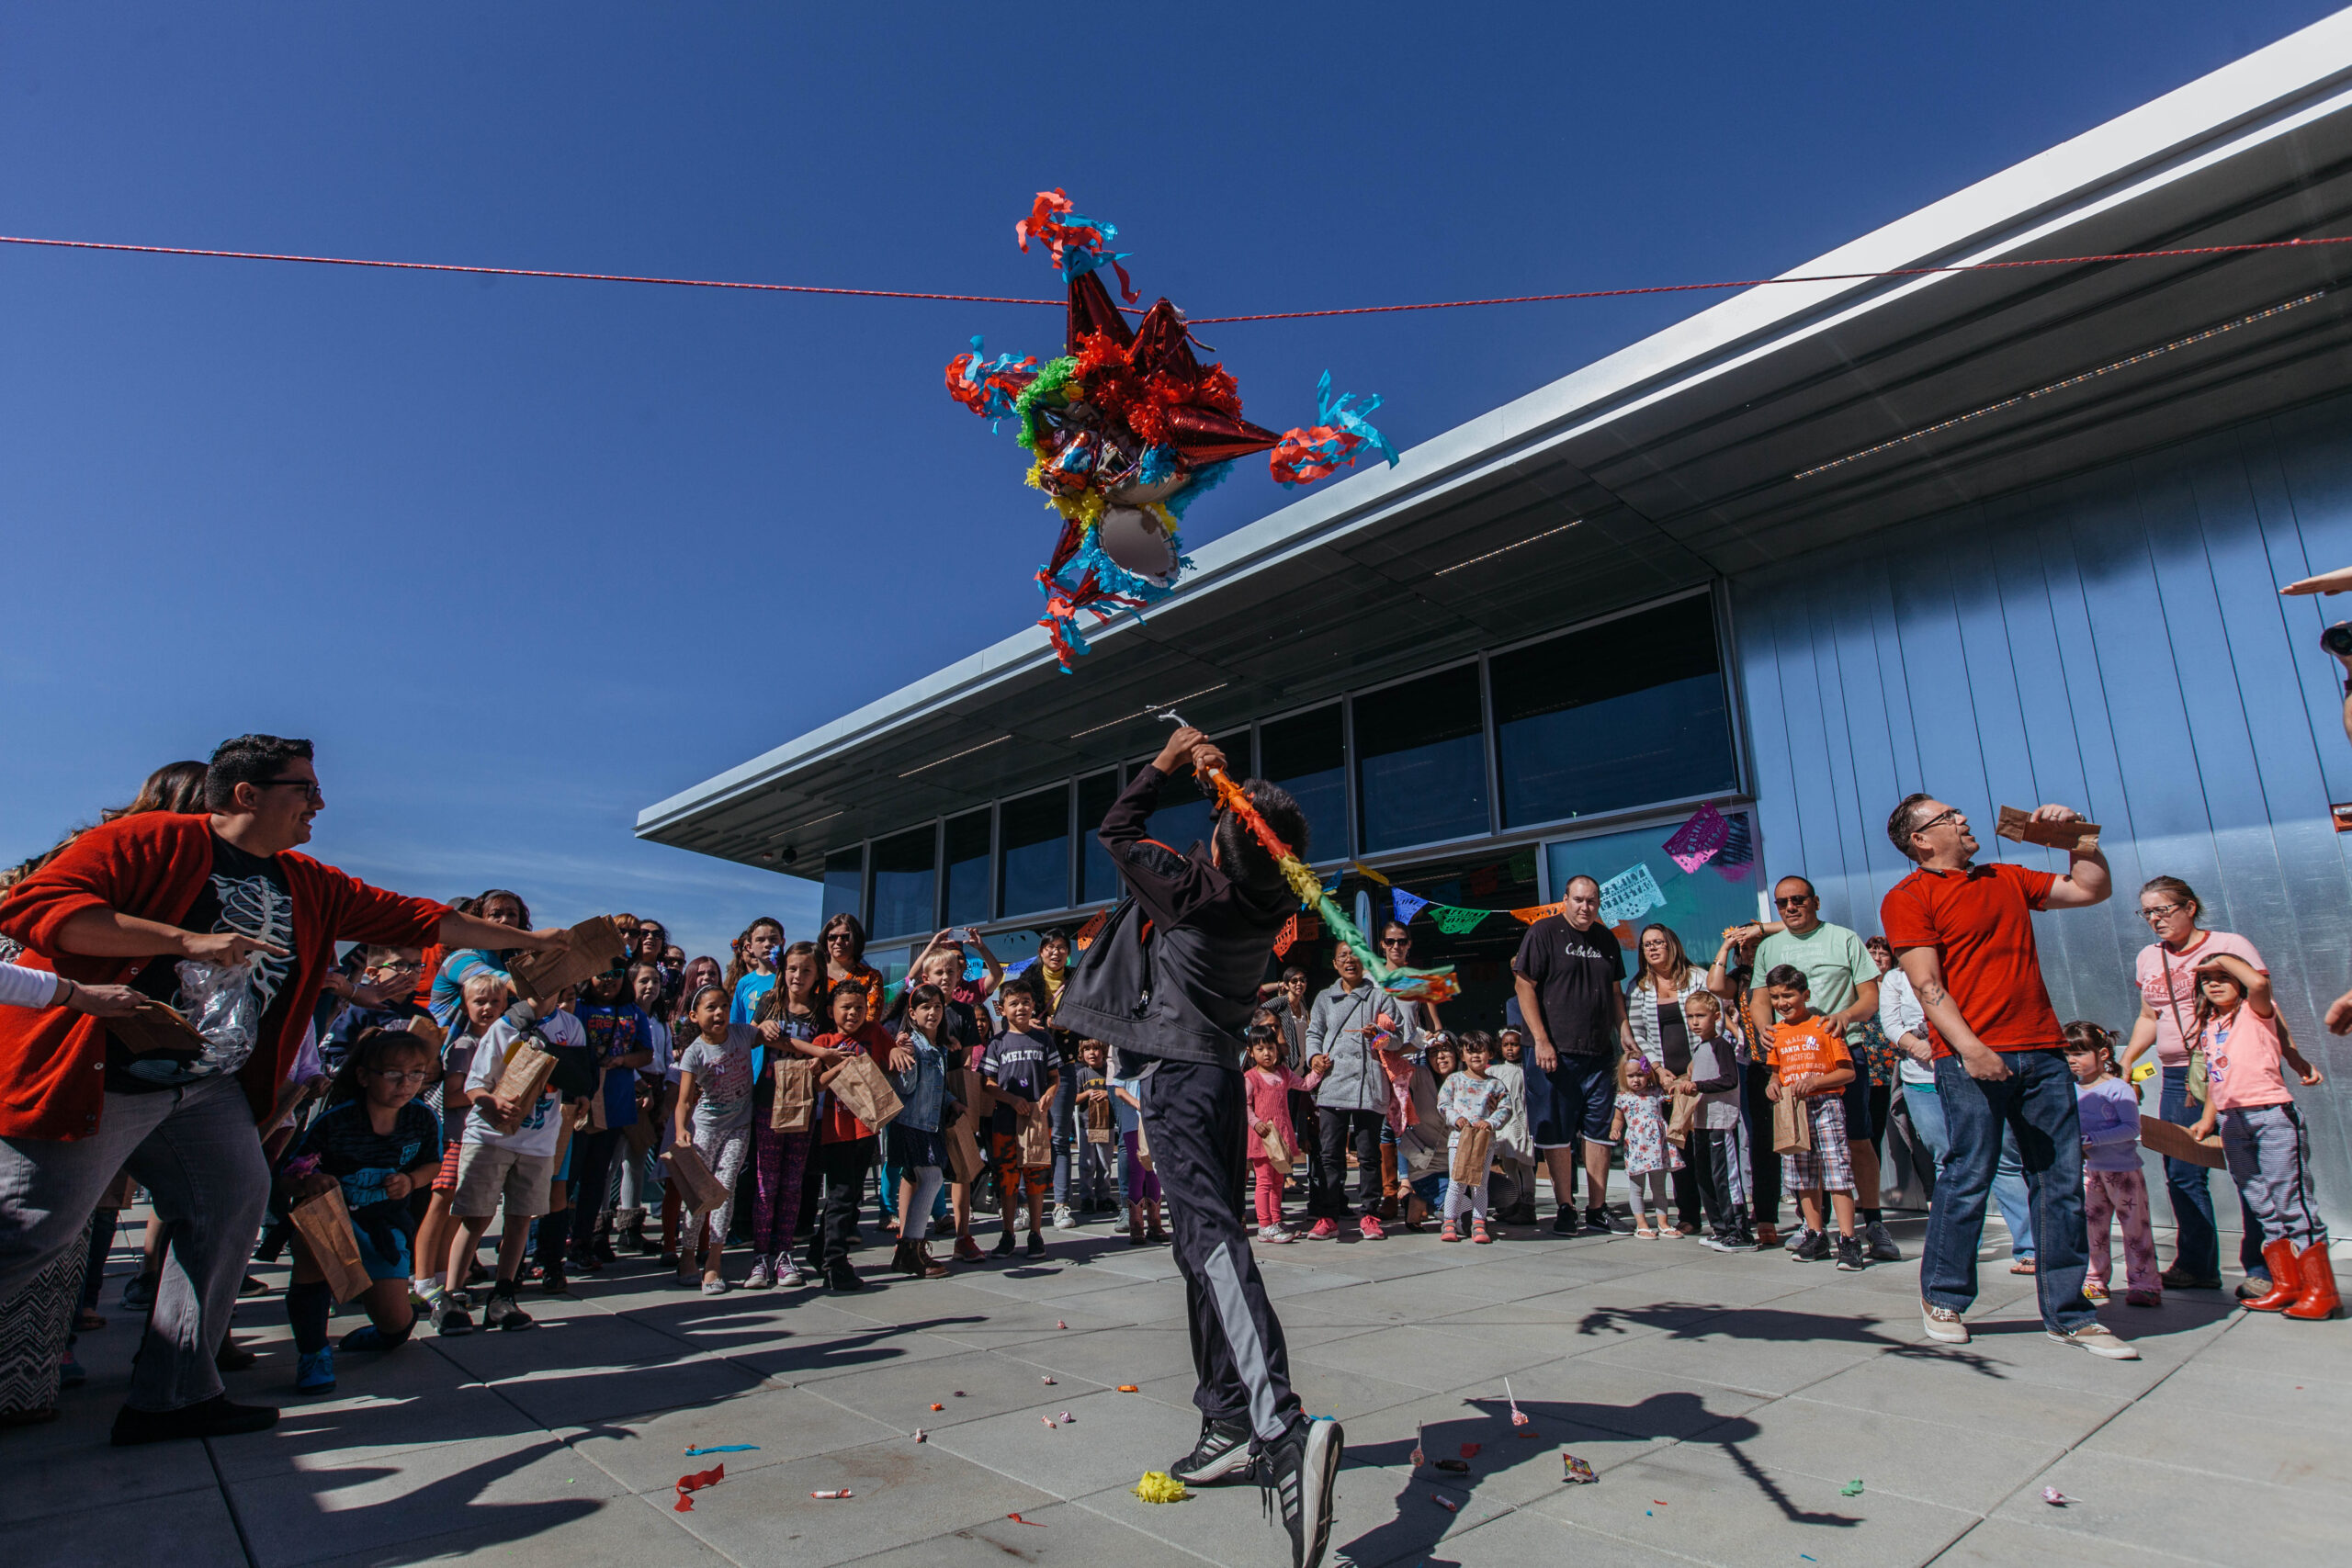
pixel 1273 1141
pixel 376 1144
pixel 1472 1104
pixel 714 1119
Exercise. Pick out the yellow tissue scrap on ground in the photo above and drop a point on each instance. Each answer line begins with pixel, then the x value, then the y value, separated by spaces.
pixel 1158 1486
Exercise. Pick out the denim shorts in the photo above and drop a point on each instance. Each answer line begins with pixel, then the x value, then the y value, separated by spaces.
pixel 1575 1100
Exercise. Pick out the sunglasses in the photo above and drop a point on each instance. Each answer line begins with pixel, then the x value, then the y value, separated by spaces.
pixel 1792 903
pixel 310 788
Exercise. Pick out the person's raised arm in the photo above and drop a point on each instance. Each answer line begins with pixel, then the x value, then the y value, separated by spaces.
pixel 2088 881
pixel 989 961
pixel 1924 970
pixel 468 930
pixel 99 932
pixel 2256 983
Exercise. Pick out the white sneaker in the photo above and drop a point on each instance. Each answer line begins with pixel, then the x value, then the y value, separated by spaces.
pixel 1063 1219
pixel 1942 1325
pixel 2099 1340
pixel 1272 1234
pixel 715 1287
pixel 758 1278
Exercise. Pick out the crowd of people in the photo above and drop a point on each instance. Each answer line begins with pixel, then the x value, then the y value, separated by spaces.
pixel 748 1121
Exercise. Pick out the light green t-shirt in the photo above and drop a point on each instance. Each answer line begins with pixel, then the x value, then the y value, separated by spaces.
pixel 1834 961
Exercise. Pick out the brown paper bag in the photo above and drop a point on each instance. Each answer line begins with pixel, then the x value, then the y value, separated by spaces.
pixel 525 1076
pixel 1682 1115
pixel 2019 827
pixel 1792 1126
pixel 964 1158
pixel 1472 1146
pixel 595 945
pixel 1097 1121
pixel 1036 1134
pixel 1278 1152
pixel 1143 1146
pixel 972 1091
pixel 704 1191
pixel 2172 1141
pixel 154 1027
pixel 795 1109
pixel 594 1121
pixel 859 1084
pixel 324 1226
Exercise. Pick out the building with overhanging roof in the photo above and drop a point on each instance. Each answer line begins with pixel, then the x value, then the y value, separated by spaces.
pixel 2009 535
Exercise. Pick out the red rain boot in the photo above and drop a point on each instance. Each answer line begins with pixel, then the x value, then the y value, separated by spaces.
pixel 2319 1299
pixel 2286 1278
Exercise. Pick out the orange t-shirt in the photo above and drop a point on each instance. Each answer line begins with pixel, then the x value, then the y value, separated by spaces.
pixel 1808 1047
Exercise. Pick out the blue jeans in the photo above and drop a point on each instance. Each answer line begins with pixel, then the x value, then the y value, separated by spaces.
pixel 2037 1102
pixel 2008 1176
pixel 2197 1240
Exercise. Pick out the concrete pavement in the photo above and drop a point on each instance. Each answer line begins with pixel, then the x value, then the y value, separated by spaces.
pixel 1727 1402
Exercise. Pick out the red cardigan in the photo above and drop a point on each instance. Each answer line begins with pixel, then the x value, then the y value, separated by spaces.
pixel 154 865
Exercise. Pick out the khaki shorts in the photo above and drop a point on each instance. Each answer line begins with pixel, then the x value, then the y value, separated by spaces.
pixel 489 1175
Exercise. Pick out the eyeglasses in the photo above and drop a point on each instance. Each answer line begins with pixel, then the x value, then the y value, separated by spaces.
pixel 1952 813
pixel 1792 903
pixel 309 788
pixel 2161 911
pixel 420 1075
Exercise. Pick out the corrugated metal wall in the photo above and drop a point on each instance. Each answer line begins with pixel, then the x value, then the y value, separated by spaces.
pixel 2116 643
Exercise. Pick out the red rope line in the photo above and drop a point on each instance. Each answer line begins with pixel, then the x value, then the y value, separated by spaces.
pixel 1195 321
pixel 522 272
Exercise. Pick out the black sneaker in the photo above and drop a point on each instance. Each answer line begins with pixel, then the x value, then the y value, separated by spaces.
pixel 843 1278
pixel 1004 1244
pixel 1222 1454
pixel 454 1322
pixel 553 1283
pixel 1813 1247
pixel 1300 1472
pixel 504 1311
pixel 216 1417
pixel 1036 1243
pixel 1597 1219
pixel 1850 1255
pixel 1565 1222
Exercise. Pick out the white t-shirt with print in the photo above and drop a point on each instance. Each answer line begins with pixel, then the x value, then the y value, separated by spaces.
pixel 541 1124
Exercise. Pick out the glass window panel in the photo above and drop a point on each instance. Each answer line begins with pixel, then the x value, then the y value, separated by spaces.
pixel 968 868
pixel 1035 831
pixel 1698 906
pixel 905 882
pixel 1098 876
pixel 845 883
pixel 1307 755
pixel 1184 814
pixel 1611 716
pixel 1420 762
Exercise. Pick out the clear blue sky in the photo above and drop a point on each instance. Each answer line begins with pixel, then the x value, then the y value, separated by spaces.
pixel 524 557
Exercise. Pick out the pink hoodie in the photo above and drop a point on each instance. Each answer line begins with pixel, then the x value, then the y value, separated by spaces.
pixel 1269 1095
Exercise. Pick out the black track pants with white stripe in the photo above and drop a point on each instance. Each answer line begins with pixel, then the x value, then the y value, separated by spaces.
pixel 1196 1120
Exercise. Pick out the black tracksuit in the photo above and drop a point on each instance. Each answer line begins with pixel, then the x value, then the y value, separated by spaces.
pixel 1173 1000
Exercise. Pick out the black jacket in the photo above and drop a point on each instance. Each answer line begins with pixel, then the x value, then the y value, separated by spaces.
pixel 1175 973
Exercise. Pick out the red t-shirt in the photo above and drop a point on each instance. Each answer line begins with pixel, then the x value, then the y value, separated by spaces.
pixel 1979 922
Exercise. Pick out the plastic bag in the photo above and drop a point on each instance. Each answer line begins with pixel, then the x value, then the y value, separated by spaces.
pixel 220 1002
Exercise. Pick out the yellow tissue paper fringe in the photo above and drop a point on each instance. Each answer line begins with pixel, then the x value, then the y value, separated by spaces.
pixel 1158 1486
